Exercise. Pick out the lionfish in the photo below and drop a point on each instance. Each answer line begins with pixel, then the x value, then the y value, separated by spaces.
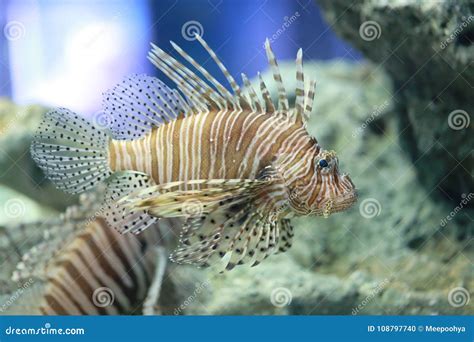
pixel 233 167
pixel 82 267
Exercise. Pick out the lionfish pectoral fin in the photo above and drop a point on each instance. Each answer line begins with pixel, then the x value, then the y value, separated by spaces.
pixel 223 241
pixel 189 198
pixel 139 103
pixel 208 235
pixel 117 214
pixel 265 232
pixel 244 228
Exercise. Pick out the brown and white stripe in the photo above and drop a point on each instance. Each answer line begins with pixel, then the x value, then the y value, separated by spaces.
pixel 100 272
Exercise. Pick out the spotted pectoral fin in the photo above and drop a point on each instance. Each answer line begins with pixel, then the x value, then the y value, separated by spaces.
pixel 208 235
pixel 226 238
pixel 245 230
pixel 119 216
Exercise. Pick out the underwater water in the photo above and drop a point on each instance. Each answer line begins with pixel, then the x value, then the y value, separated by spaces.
pixel 393 99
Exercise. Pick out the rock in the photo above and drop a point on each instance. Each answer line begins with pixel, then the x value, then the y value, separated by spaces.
pixel 269 291
pixel 16 208
pixel 426 48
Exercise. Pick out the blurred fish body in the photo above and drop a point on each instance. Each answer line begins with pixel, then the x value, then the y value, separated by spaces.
pixel 232 165
pixel 100 272
pixel 79 266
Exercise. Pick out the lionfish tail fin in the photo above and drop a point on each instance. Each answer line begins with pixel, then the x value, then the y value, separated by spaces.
pixel 71 151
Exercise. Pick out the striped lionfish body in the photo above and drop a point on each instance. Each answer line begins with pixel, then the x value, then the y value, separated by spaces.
pixel 233 166
pixel 95 271
pixel 99 273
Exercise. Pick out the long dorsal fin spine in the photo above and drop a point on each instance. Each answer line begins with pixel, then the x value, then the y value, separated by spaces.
pixel 162 63
pixel 203 93
pixel 269 107
pixel 221 66
pixel 283 105
pixel 220 88
pixel 157 62
pixel 208 93
pixel 181 100
pixel 299 91
pixel 309 99
pixel 196 101
pixel 193 100
pixel 241 102
pixel 254 101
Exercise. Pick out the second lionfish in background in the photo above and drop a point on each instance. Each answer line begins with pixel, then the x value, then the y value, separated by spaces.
pixel 82 267
pixel 233 166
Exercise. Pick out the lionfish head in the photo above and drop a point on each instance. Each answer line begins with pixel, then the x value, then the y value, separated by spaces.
pixel 325 190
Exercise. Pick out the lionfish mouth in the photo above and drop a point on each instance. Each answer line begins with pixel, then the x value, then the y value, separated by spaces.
pixel 337 204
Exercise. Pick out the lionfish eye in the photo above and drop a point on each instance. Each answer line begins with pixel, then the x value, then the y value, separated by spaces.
pixel 323 163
